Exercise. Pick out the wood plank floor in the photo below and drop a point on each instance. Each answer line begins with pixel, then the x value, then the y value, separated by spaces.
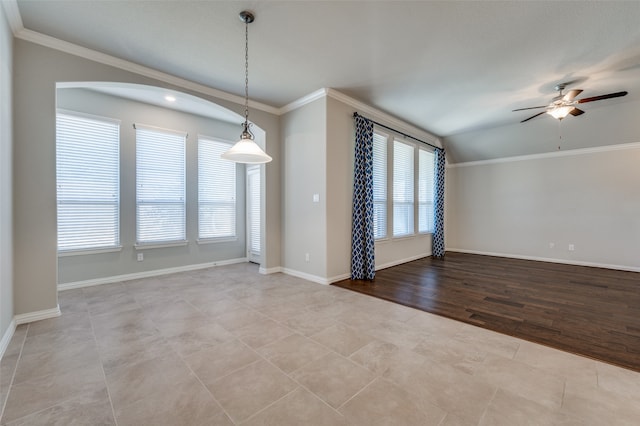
pixel 588 311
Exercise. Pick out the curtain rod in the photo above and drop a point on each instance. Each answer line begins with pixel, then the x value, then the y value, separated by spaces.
pixel 355 114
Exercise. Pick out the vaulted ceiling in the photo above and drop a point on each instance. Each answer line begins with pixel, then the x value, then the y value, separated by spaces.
pixel 456 69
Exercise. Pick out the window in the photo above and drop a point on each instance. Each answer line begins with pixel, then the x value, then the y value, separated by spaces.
pixel 160 185
pixel 253 213
pixel 379 186
pixel 403 172
pixel 216 190
pixel 403 179
pixel 426 167
pixel 88 185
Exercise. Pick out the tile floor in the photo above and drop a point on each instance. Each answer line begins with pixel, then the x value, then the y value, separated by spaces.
pixel 227 346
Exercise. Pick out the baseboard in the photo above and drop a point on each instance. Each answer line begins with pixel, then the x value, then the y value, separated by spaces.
pixel 267 271
pixel 337 278
pixel 6 339
pixel 550 260
pixel 305 276
pixel 401 261
pixel 37 316
pixel 147 274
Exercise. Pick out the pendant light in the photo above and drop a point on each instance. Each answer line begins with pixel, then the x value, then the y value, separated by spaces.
pixel 246 150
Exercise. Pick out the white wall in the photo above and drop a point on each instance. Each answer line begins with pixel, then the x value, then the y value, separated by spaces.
pixel 88 267
pixel 304 222
pixel 37 69
pixel 6 178
pixel 340 154
pixel 589 198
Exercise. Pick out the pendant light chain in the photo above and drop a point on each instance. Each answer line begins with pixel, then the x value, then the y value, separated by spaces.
pixel 246 73
pixel 246 150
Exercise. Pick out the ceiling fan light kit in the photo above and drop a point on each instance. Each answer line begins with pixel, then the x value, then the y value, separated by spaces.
pixel 560 112
pixel 565 104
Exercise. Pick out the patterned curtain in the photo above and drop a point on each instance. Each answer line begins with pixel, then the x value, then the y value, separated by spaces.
pixel 437 249
pixel 362 240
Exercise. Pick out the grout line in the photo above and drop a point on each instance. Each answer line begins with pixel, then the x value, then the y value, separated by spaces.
pixel 104 374
pixel 13 374
pixel 206 388
pixel 270 405
pixel 358 393
pixel 484 412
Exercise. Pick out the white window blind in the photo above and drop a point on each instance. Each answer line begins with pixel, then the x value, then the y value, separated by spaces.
pixel 403 178
pixel 160 185
pixel 253 209
pixel 425 190
pixel 216 190
pixel 88 184
pixel 379 185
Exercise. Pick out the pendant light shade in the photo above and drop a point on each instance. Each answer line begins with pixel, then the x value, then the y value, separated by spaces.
pixel 246 150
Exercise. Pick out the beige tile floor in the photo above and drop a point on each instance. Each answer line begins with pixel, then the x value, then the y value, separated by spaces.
pixel 228 346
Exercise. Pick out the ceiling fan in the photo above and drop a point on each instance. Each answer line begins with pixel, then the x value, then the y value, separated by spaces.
pixel 565 104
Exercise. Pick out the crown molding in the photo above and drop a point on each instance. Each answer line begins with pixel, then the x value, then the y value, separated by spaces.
pixel 362 107
pixel 555 154
pixel 313 96
pixel 13 15
pixel 103 58
pixel 383 116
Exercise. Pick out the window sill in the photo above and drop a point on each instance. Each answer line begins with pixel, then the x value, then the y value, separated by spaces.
pixel 145 246
pixel 216 240
pixel 81 252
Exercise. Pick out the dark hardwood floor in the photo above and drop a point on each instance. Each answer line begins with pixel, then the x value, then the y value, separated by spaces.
pixel 588 311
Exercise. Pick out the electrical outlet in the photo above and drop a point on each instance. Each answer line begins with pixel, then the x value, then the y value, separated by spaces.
pixel 572 247
pixel 140 257
pixel 552 245
pixel 306 257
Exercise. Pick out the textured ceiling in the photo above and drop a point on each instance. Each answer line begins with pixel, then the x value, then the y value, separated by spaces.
pixel 447 67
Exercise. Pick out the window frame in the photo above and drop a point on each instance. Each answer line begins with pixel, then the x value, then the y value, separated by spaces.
pixel 180 201
pixel 220 238
pixel 385 200
pixel 114 200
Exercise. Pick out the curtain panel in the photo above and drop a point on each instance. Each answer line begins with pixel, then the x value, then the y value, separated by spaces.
pixel 362 238
pixel 437 249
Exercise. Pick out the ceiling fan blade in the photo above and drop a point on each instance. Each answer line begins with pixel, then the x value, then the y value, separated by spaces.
pixel 533 116
pixel 576 112
pixel 523 109
pixel 571 95
pixel 599 98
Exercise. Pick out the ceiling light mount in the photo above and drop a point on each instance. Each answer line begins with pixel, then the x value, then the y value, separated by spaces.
pixel 246 150
pixel 247 17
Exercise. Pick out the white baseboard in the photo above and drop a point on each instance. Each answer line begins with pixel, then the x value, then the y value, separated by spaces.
pixel 337 278
pixel 147 274
pixel 6 338
pixel 305 276
pixel 267 271
pixel 37 316
pixel 401 261
pixel 550 260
